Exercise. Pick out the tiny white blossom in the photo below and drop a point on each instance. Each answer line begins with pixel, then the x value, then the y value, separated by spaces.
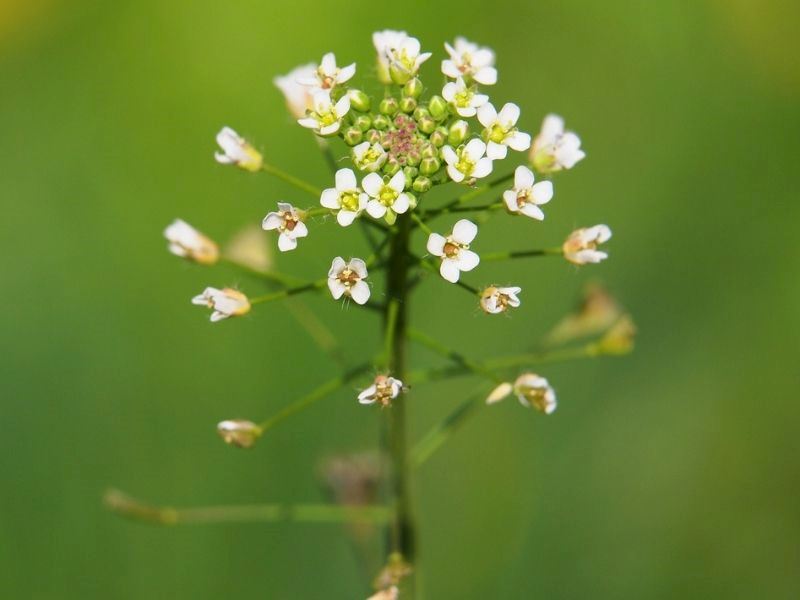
pixel 454 250
pixel 369 158
pixel 386 42
pixel 236 151
pixel 324 117
pixel 383 391
pixel 346 197
pixel 327 75
pixel 239 432
pixel 299 98
pixel 501 132
pixel 185 241
pixel 467 161
pixel 526 196
pixel 226 302
pixel 405 59
pixel 463 97
pixel 555 149
pixel 532 391
pixel 287 221
pixel 386 198
pixel 581 245
pixel 496 300
pixel 347 279
pixel 470 60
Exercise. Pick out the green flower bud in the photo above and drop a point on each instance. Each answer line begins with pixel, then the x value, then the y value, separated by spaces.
pixel 388 106
pixel 390 217
pixel 429 151
pixel 412 200
pixel 458 133
pixel 352 136
pixel 407 105
pixel 413 156
pixel 439 137
pixel 422 184
pixel 359 100
pixel 381 122
pixel 391 166
pixel 398 74
pixel 413 88
pixel 410 173
pixel 438 107
pixel 421 111
pixel 430 166
pixel 363 122
pixel 426 125
pixel 373 136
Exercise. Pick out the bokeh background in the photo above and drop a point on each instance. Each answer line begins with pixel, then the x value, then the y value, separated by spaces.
pixel 674 472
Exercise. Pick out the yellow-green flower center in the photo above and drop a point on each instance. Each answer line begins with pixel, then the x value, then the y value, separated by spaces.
pixel 349 201
pixel 387 195
pixel 497 133
pixel 463 98
pixel 464 164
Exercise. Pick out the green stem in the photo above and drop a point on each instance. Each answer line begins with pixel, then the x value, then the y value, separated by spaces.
pixel 478 191
pixel 292 180
pixel 437 212
pixel 441 433
pixel 430 265
pixel 285 293
pixel 494 256
pixel 421 224
pixel 458 358
pixel 272 276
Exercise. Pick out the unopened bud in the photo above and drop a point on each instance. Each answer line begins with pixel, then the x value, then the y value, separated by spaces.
pixel 373 136
pixel 410 173
pixel 412 200
pixel 458 133
pixel 398 74
pixel 413 88
pixel 391 166
pixel 363 122
pixel 238 432
pixel 429 151
pixel 439 137
pixel 438 107
pixel 426 125
pixel 389 106
pixel 381 122
pixel 421 111
pixel 500 392
pixel 413 157
pixel 359 100
pixel 422 184
pixel 429 166
pixel 407 105
pixel 353 136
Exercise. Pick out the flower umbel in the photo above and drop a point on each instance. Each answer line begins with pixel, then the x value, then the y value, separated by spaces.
pixel 496 300
pixel 185 241
pixel 346 198
pixel 581 245
pixel 347 279
pixel 454 250
pixel 383 390
pixel 236 151
pixel 555 149
pixel 289 225
pixel 526 196
pixel 470 61
pixel 226 302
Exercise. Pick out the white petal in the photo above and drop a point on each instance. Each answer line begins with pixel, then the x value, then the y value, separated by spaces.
pixel 519 141
pixel 449 155
pixel 496 151
pixel 486 76
pixel 375 209
pixel 330 129
pixel 479 100
pixel 346 73
pixel 466 111
pixel 372 184
pixel 337 288
pixel 358 266
pixel 223 158
pixel 398 182
pixel 450 69
pixel 286 243
pixel 449 270
pixel 464 231
pixel 360 292
pixel 328 64
pixel 482 56
pixel 455 174
pixel 523 178
pixel 300 230
pixel 367 396
pixel 436 244
pixel 509 114
pixel 308 123
pixel 329 198
pixel 542 192
pixel 487 115
pixel 552 127
pixel 272 221
pixel 510 198
pixel 346 180
pixel 532 211
pixel 337 266
pixel 217 316
pixel 475 149
pixel 346 217
pixel 500 392
pixel 449 91
pixel 343 106
pixel 401 203
pixel 468 260
pixel 482 168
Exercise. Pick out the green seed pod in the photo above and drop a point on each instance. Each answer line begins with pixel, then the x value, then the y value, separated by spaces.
pixel 381 122
pixel 438 107
pixel 353 136
pixel 426 125
pixel 439 137
pixel 359 100
pixel 458 133
pixel 363 122
pixel 422 184
pixel 430 166
pixel 407 105
pixel 413 88
pixel 389 106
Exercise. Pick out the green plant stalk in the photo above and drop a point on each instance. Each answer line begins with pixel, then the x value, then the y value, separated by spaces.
pixel 493 256
pixel 292 180
pixel 436 437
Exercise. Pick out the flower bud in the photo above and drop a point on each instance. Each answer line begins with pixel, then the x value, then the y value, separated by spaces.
pixel 363 122
pixel 439 137
pixel 429 151
pixel 413 88
pixel 380 122
pixel 389 106
pixel 352 136
pixel 238 432
pixel 412 200
pixel 429 166
pixel 421 111
pixel 413 157
pixel 458 133
pixel 391 166
pixel 359 100
pixel 438 107
pixel 500 392
pixel 410 173
pixel 422 184
pixel 618 339
pixel 426 125
pixel 399 75
pixel 407 104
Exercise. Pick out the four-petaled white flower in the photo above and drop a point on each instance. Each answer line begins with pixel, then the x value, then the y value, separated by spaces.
pixel 526 196
pixel 383 391
pixel 467 161
pixel 287 221
pixel 581 245
pixel 532 391
pixel 501 133
pixel 236 151
pixel 226 302
pixel 347 279
pixel 346 197
pixel 405 59
pixel 496 300
pixel 555 149
pixel 454 250
pixel 467 59
pixel 386 198
pixel 463 97
pixel 369 158
pixel 299 97
pixel 327 75
pixel 325 118
pixel 185 241
pixel 386 42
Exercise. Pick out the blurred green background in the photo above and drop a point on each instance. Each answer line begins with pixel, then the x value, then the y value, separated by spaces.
pixel 674 472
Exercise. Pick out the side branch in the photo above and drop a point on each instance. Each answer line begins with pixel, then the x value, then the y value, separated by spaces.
pixel 292 180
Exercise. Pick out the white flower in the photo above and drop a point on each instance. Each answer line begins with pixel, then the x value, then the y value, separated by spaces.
pixel 386 199
pixel 405 59
pixel 495 300
pixel 325 118
pixel 532 391
pixel 469 60
pixel 454 250
pixel 299 98
pixel 581 245
pixel 369 158
pixel 346 197
pixel 386 42
pixel 348 279
pixel 327 75
pixel 238 432
pixel 383 391
pixel 467 161
pixel 236 151
pixel 287 221
pixel 463 97
pixel 500 132
pixel 555 149
pixel 185 241
pixel 526 196
pixel 226 302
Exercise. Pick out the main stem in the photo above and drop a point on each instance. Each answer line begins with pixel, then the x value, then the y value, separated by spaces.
pixel 402 534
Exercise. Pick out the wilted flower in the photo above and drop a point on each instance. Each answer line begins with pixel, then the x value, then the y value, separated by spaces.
pixel 327 75
pixel 348 279
pixel 299 97
pixel 454 250
pixel 467 161
pixel 238 432
pixel 236 151
pixel 324 117
pixel 532 391
pixel 495 300
pixel 287 221
pixel 596 313
pixel 369 158
pixel 383 391
pixel 470 61
pixel 463 97
pixel 386 199
pixel 555 149
pixel 581 245
pixel 501 132
pixel 526 196
pixel 185 241
pixel 346 197
pixel 226 302
pixel 386 42
pixel 619 338
pixel 405 59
